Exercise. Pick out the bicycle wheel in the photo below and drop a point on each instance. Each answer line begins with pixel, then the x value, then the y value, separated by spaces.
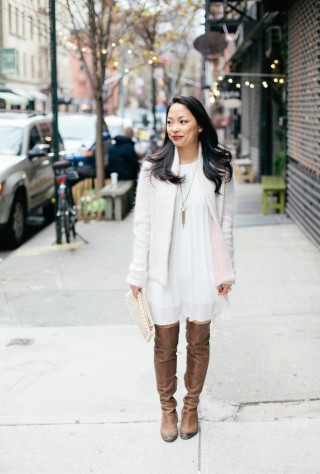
pixel 59 224
pixel 66 222
pixel 73 227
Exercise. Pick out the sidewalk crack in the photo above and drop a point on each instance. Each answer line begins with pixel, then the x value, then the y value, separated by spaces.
pixel 262 402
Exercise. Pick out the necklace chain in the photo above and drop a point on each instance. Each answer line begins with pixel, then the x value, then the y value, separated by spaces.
pixel 184 200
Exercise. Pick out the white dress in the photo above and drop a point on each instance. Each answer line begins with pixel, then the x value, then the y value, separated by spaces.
pixel 191 292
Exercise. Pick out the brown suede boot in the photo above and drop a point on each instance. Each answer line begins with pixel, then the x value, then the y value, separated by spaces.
pixel 198 350
pixel 165 363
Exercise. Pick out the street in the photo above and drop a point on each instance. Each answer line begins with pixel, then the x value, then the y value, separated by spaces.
pixel 77 392
pixel 88 92
pixel 34 225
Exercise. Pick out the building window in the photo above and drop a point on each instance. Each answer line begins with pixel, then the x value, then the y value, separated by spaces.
pixel 18 63
pixel 10 18
pixel 32 66
pixel 40 67
pixel 17 21
pixel 23 25
pixel 25 72
pixel 31 27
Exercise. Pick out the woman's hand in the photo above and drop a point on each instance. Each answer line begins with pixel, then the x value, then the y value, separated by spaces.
pixel 224 288
pixel 135 290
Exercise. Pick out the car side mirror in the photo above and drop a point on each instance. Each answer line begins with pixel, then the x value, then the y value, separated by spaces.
pixel 105 136
pixel 42 149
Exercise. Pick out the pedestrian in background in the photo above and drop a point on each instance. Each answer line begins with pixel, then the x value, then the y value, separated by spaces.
pixel 183 251
pixel 122 157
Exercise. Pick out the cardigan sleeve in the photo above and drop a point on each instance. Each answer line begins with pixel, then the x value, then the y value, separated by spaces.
pixel 227 208
pixel 138 270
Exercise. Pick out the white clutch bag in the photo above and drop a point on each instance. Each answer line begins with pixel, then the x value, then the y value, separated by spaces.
pixel 140 313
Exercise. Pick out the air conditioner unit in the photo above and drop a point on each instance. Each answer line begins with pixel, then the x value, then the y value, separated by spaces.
pixel 273 39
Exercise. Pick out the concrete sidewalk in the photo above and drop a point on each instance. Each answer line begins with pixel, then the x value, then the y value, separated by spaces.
pixel 77 389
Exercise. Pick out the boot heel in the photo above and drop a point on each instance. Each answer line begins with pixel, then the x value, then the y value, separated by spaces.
pixel 189 424
pixel 169 427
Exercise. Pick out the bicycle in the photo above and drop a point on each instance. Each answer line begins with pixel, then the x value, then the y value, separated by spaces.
pixel 66 214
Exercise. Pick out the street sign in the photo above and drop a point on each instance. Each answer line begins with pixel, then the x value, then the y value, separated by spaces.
pixel 8 62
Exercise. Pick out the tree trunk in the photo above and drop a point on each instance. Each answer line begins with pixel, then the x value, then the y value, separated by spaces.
pixel 99 144
pixel 154 98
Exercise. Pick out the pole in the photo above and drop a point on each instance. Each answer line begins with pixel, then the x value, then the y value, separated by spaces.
pixel 54 100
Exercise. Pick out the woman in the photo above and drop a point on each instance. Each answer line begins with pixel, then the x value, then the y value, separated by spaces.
pixel 183 251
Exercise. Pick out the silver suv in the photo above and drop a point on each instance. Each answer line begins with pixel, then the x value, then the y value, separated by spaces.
pixel 26 174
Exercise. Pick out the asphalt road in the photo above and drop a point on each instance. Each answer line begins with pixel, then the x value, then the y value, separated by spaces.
pixel 35 224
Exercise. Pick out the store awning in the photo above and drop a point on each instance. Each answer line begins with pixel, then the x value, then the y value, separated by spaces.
pixel 13 99
pixel 37 95
pixel 30 94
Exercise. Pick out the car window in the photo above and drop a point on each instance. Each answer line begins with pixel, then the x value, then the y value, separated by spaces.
pixel 46 133
pixel 79 128
pixel 105 127
pixel 35 138
pixel 10 140
pixel 115 130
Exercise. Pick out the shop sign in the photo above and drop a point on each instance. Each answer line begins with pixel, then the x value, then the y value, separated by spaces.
pixel 230 94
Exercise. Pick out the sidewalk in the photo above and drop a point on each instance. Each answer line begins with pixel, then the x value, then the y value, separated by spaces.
pixel 77 388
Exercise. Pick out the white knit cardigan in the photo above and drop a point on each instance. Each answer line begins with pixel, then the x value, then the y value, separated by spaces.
pixel 153 222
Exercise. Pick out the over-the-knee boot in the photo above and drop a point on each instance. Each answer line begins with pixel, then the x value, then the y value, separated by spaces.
pixel 165 363
pixel 198 350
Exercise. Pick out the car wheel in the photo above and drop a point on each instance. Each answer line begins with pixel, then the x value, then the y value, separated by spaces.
pixel 17 223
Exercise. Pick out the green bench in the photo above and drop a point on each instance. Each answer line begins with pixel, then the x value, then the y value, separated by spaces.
pixel 273 186
pixel 119 199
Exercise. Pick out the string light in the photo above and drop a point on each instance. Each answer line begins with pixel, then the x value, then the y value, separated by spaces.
pixel 151 58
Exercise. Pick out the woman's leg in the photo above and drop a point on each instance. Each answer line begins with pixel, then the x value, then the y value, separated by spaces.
pixel 165 363
pixel 198 350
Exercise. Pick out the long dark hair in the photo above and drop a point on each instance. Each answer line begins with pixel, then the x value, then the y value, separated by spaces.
pixel 216 159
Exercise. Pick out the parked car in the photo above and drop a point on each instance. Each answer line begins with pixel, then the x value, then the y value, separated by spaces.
pixel 116 124
pixel 78 132
pixel 26 174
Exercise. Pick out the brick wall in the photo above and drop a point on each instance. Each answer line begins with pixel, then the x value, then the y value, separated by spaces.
pixel 303 115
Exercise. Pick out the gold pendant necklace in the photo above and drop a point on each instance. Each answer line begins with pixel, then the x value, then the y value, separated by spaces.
pixel 184 200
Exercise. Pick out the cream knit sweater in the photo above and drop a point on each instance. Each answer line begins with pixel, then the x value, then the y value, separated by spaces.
pixel 153 221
